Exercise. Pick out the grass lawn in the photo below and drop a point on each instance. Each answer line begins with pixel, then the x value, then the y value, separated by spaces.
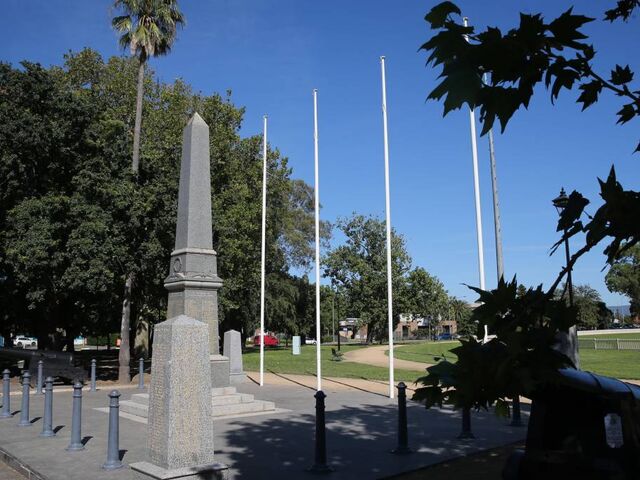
pixel 281 360
pixel 612 363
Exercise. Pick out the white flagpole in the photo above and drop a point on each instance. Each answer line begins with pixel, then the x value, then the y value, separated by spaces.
pixel 476 188
pixel 262 248
pixel 317 221
pixel 388 224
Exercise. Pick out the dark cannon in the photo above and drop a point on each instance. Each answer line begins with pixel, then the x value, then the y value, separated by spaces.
pixel 583 426
pixel 55 364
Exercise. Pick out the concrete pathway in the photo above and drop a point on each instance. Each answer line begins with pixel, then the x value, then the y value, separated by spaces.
pixel 376 356
pixel 7 473
pixel 361 429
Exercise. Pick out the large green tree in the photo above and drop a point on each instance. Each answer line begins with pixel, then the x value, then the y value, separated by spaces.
pixel 358 268
pixel 75 220
pixel 427 296
pixel 148 29
pixel 624 277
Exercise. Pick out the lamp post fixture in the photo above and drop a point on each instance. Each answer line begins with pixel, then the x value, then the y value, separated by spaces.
pixel 569 343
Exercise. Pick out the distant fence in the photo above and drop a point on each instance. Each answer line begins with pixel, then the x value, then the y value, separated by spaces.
pixel 608 344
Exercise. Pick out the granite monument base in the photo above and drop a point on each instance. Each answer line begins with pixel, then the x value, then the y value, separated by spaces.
pixel 237 378
pixel 219 371
pixel 213 471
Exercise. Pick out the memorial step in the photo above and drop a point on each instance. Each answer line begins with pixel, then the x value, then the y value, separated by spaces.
pixel 225 401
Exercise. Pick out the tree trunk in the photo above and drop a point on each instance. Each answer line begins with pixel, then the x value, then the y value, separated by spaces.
pixel 124 355
pixel 135 164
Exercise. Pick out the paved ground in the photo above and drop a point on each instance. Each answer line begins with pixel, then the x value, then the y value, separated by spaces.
pixel 7 473
pixel 361 429
pixel 376 356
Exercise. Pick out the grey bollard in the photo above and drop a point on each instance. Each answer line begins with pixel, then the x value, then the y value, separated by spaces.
pixel 320 464
pixel 47 422
pixel 6 394
pixel 403 434
pixel 113 450
pixel 466 424
pixel 24 408
pixel 516 419
pixel 40 377
pixel 93 375
pixel 141 373
pixel 76 419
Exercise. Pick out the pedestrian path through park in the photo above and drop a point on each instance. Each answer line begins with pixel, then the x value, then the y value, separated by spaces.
pixel 376 356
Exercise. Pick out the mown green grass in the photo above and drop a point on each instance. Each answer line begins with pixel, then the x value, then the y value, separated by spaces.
pixel 623 364
pixel 281 360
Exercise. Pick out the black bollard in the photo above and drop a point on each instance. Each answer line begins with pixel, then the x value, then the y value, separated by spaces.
pixel 113 450
pixel 93 375
pixel 76 419
pixel 6 394
pixel 47 422
pixel 403 433
pixel 40 376
pixel 466 424
pixel 141 374
pixel 320 465
pixel 24 408
pixel 516 418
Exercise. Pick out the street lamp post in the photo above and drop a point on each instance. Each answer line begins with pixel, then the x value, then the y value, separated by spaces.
pixel 568 342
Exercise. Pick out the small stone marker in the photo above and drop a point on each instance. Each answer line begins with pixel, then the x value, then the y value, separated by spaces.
pixel 296 345
pixel 180 428
pixel 233 351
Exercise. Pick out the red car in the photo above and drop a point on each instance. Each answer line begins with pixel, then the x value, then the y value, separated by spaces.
pixel 269 341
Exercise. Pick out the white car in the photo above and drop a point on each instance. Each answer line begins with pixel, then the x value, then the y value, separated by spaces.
pixel 310 341
pixel 23 342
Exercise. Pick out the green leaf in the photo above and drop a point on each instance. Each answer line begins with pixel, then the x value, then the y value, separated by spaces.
pixel 590 92
pixel 440 13
pixel 621 75
pixel 626 113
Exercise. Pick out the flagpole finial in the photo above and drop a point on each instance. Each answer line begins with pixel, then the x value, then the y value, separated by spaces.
pixel 382 57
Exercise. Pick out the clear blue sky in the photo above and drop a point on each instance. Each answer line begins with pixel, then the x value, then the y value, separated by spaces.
pixel 271 54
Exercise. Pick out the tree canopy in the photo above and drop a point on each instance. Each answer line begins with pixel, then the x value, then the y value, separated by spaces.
pixel 75 221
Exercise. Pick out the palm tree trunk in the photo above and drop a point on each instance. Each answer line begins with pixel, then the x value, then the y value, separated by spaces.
pixel 135 164
pixel 124 356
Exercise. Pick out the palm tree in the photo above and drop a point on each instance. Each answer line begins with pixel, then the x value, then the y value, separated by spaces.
pixel 148 29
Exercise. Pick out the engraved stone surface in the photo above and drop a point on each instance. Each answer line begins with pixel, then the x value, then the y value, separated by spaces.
pixel 180 428
pixel 233 351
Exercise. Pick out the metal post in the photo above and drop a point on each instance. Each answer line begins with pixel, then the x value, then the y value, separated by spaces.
pixel 76 419
pixel 40 377
pixel 466 424
pixel 320 465
pixel 317 235
pixel 388 226
pixel 24 408
pixel 6 394
pixel 113 451
pixel 141 374
pixel 516 418
pixel 93 375
pixel 403 434
pixel 573 331
pixel 47 422
pixel 262 246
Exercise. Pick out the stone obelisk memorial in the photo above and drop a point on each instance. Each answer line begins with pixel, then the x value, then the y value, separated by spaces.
pixel 186 360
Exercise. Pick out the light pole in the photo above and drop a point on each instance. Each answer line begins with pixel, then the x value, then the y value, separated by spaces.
pixel 568 341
